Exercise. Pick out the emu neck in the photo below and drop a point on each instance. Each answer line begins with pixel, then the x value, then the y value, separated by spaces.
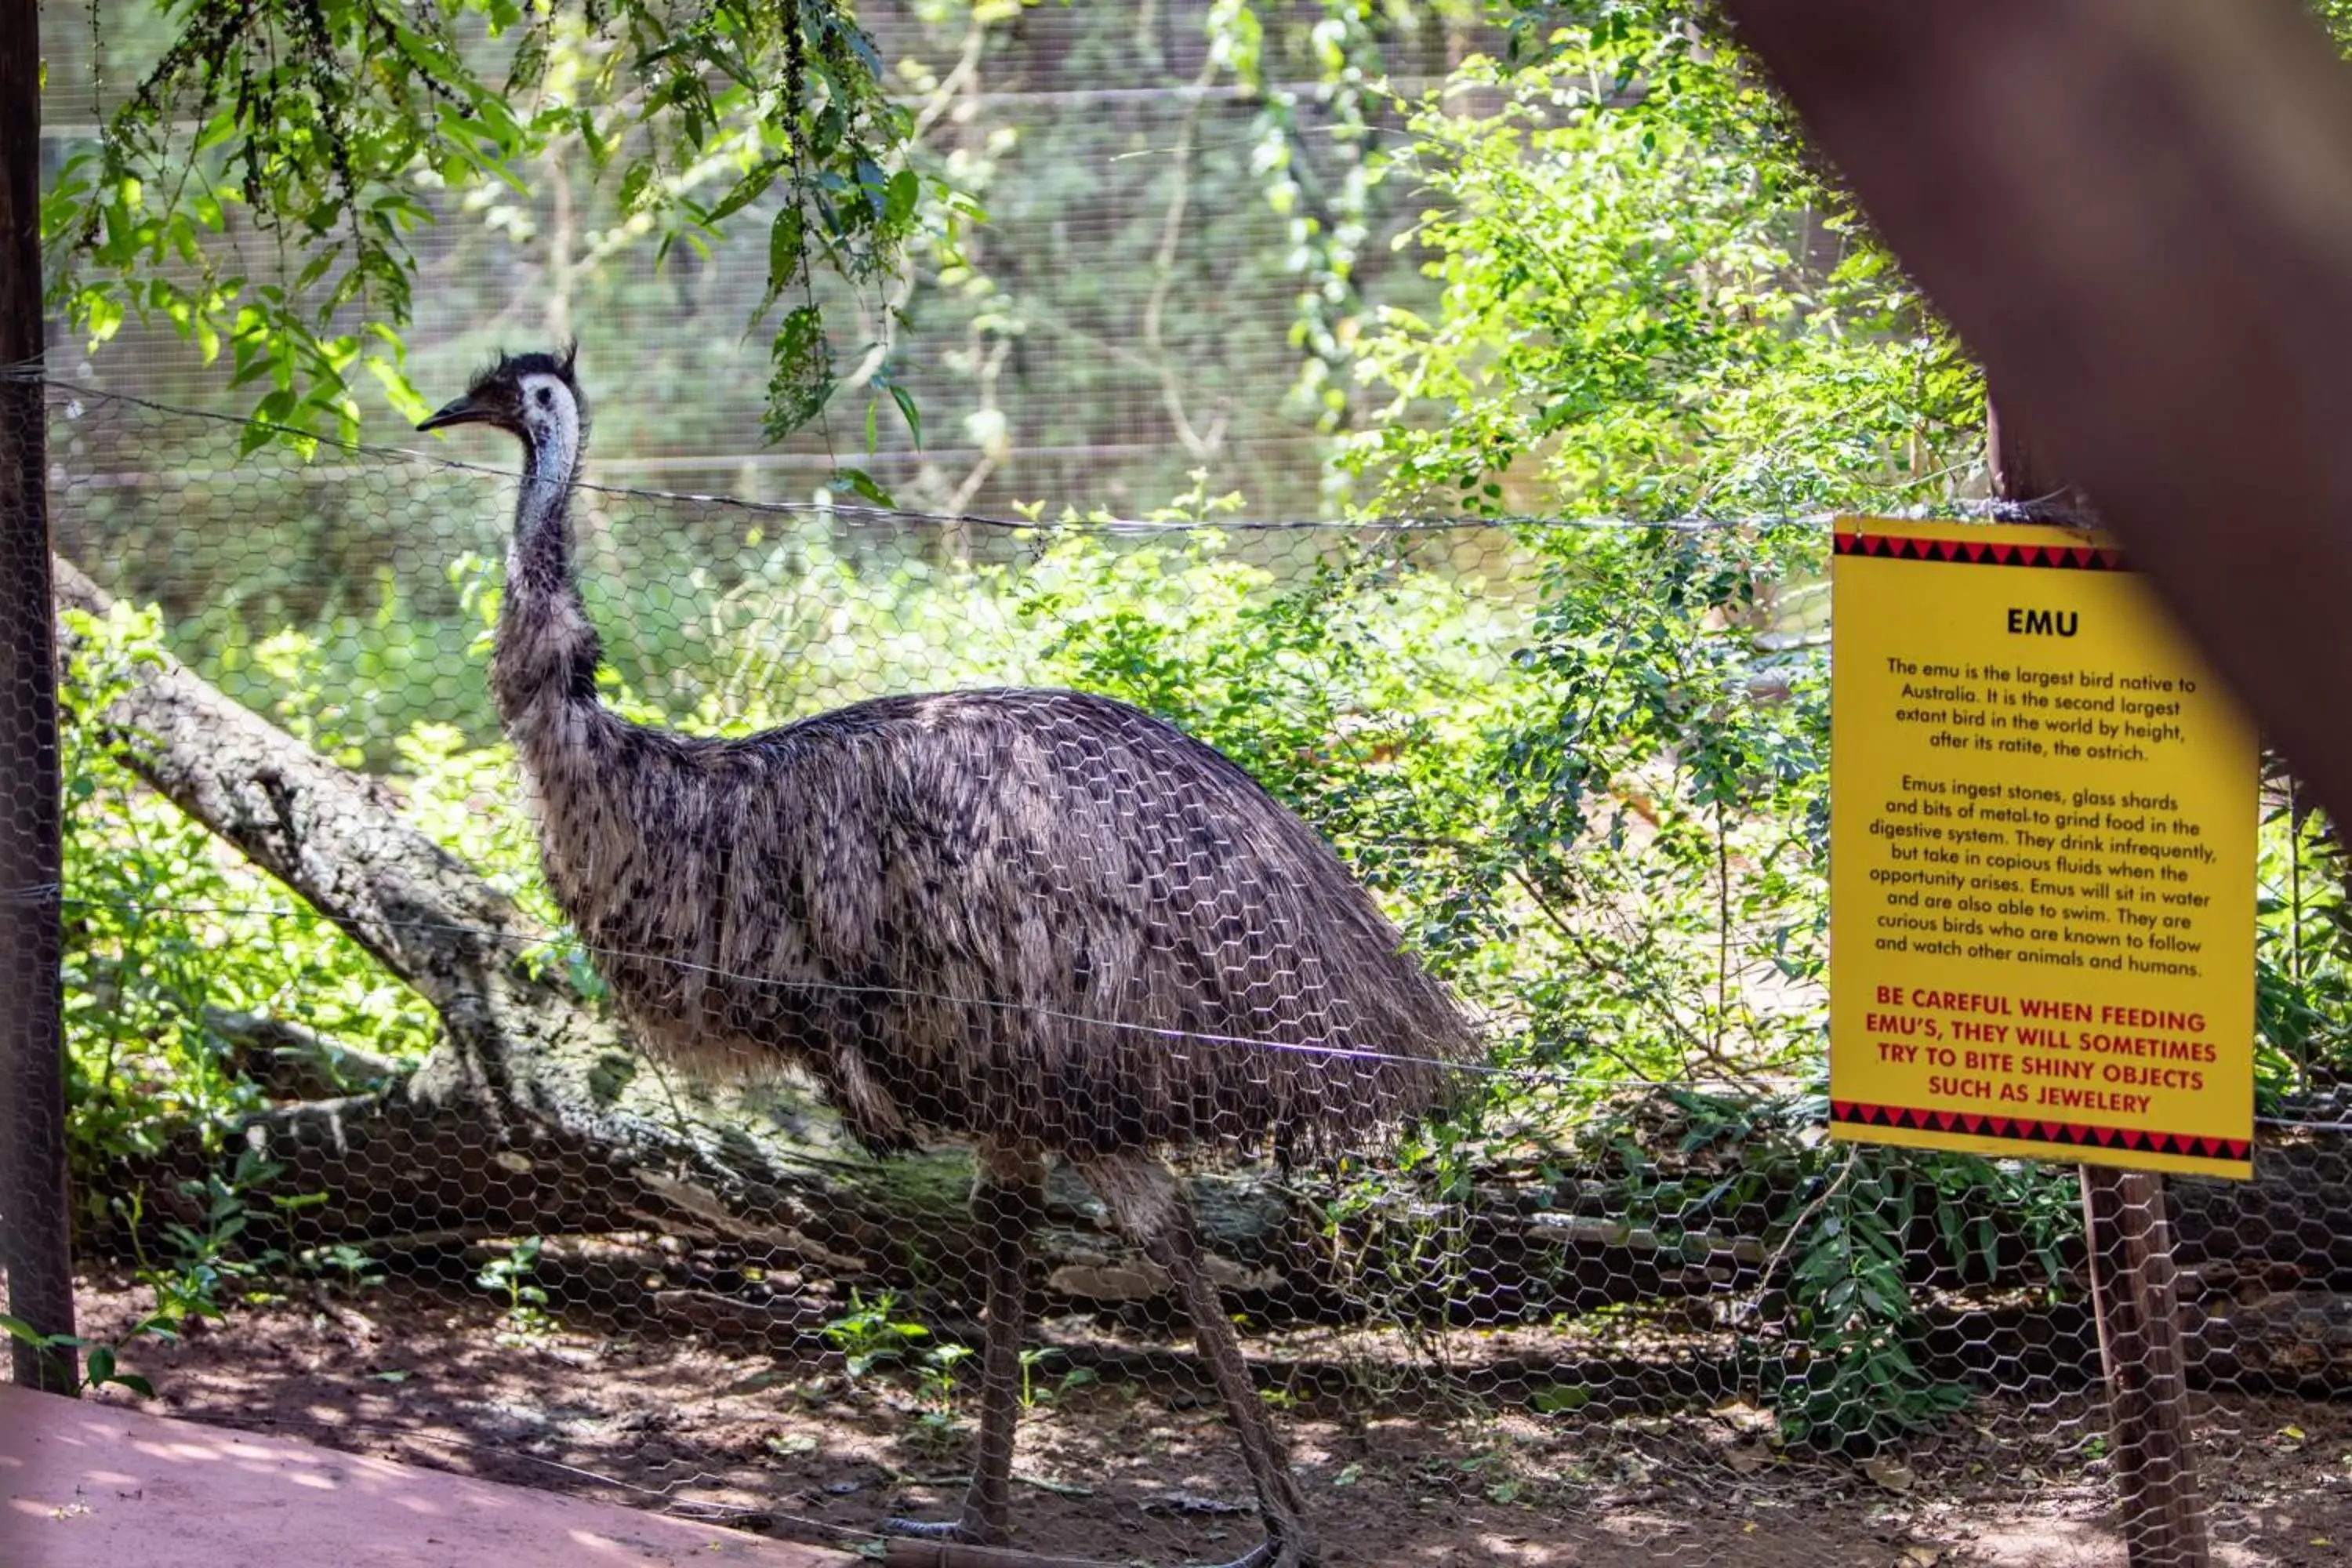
pixel 546 654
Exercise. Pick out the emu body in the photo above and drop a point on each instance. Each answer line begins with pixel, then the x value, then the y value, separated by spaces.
pixel 1037 917
pixel 1043 921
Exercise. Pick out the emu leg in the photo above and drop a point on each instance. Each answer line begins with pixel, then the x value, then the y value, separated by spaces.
pixel 1147 1204
pixel 1008 1198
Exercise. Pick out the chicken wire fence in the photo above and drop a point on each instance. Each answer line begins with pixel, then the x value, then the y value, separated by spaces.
pixel 408 1098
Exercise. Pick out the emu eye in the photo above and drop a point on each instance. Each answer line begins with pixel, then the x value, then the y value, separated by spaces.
pixel 546 398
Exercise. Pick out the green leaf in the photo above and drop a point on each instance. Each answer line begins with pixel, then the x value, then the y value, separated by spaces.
pixel 861 483
pixel 16 1328
pixel 787 245
pixel 899 203
pixel 906 401
pixel 635 180
pixel 802 382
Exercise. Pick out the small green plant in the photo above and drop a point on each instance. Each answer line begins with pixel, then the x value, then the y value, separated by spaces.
pixel 343 1265
pixel 99 1361
pixel 509 1274
pixel 1862 1377
pixel 937 1427
pixel 216 1262
pixel 939 1373
pixel 871 1333
pixel 1036 1357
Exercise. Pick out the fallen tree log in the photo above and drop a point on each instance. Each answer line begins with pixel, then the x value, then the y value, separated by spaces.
pixel 531 1111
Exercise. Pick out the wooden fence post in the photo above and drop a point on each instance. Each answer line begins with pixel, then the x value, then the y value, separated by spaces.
pixel 2135 1300
pixel 2134 1293
pixel 34 1240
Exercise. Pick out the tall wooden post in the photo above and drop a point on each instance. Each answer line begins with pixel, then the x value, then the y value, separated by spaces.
pixel 2136 1302
pixel 34 1240
pixel 2133 1291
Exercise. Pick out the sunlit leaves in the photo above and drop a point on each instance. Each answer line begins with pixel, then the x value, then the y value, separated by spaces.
pixel 1652 304
pixel 158 937
pixel 258 189
pixel 804 378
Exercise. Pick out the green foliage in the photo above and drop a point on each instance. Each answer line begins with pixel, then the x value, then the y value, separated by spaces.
pixel 873 1333
pixel 1834 1338
pixel 160 938
pixel 1314 153
pixel 218 1257
pixel 1858 1375
pixel 101 1367
pixel 352 1267
pixel 1036 1357
pixel 1650 306
pixel 1560 793
pixel 1356 687
pixel 2303 947
pixel 1662 802
pixel 260 189
pixel 509 1274
pixel 937 1427
pixel 1584 767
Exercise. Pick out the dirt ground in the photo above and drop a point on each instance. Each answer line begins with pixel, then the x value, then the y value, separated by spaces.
pixel 1134 1465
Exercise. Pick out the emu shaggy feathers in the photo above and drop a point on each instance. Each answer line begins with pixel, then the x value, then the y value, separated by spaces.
pixel 1039 920
pixel 1040 917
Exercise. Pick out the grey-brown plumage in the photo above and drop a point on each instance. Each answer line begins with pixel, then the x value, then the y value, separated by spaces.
pixel 1042 920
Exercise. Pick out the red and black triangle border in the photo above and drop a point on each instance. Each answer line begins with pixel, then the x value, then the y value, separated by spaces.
pixel 1981 552
pixel 2073 1134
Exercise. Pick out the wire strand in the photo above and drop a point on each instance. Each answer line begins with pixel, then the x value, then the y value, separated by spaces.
pixel 35 370
pixel 526 940
pixel 866 511
pixel 1535 1075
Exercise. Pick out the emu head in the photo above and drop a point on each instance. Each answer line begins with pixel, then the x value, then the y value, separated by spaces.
pixel 531 396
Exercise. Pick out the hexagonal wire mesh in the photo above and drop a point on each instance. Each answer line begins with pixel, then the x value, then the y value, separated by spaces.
pixel 1376 889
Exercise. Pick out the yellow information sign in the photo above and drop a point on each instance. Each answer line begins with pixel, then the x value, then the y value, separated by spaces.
pixel 2042 847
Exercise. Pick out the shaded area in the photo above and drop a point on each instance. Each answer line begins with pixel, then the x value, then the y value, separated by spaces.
pixel 1401 1464
pixel 92 1485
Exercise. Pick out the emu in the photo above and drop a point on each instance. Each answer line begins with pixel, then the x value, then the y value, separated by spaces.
pixel 1041 921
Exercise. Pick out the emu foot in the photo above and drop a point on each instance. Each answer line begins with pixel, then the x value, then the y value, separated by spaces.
pixel 922 1544
pixel 1274 1551
pixel 971 1530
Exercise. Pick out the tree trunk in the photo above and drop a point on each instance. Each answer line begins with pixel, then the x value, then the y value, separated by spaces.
pixel 532 1110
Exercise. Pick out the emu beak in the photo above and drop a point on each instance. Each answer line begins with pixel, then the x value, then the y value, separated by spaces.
pixel 464 411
